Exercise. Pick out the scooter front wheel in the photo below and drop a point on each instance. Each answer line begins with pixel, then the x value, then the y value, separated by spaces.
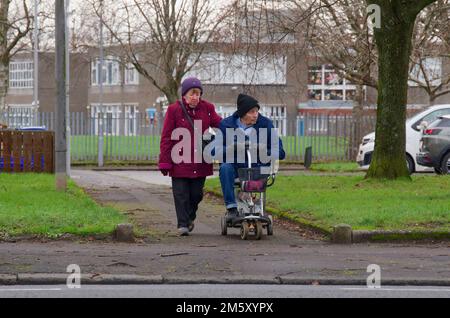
pixel 259 230
pixel 245 229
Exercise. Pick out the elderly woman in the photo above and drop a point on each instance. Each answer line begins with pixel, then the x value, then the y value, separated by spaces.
pixel 188 178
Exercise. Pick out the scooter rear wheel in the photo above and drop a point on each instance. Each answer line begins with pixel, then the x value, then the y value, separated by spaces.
pixel 270 226
pixel 244 230
pixel 224 226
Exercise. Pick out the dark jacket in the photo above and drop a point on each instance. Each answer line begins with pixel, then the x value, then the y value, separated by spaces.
pixel 262 122
pixel 175 118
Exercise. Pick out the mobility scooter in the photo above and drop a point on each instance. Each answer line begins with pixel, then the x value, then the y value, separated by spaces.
pixel 250 189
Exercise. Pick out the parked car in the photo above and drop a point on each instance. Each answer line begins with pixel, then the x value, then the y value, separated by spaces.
pixel 414 127
pixel 435 146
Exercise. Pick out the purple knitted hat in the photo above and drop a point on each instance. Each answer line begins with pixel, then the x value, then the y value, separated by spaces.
pixel 190 83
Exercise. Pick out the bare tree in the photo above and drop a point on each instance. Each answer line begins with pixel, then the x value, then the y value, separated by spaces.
pixel 430 51
pixel 342 37
pixel 394 43
pixel 265 46
pixel 83 26
pixel 163 39
pixel 257 38
pixel 15 24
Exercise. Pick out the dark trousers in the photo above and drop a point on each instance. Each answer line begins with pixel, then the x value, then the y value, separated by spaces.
pixel 187 193
pixel 228 173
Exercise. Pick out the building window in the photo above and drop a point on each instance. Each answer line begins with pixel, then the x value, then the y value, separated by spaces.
pixel 239 69
pixel 21 74
pixel 315 75
pixel 131 75
pixel 432 67
pixel 109 115
pixel 111 72
pixel 324 84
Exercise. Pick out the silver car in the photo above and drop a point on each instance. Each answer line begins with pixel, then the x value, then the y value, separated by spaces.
pixel 435 146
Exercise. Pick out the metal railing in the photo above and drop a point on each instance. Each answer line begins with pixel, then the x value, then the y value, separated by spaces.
pixel 129 138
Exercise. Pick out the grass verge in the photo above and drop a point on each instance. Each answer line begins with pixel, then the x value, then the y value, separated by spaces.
pixel 30 205
pixel 325 201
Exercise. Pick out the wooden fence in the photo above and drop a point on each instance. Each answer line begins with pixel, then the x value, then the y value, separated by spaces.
pixel 27 151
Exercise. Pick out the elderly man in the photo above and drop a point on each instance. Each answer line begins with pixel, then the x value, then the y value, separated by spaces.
pixel 247 122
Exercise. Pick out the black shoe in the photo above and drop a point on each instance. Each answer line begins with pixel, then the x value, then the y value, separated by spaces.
pixel 232 213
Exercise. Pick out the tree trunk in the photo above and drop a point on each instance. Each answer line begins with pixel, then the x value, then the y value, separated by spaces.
pixel 172 94
pixel 432 99
pixel 171 88
pixel 4 54
pixel 4 83
pixel 394 45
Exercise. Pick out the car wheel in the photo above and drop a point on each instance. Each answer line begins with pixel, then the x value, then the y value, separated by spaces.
pixel 438 170
pixel 445 164
pixel 410 164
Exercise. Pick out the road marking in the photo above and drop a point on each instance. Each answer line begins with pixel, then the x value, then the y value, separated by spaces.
pixel 399 289
pixel 15 290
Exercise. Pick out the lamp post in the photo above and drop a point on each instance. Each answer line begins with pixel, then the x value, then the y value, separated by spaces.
pixel 100 112
pixel 160 102
pixel 68 160
pixel 60 69
pixel 36 63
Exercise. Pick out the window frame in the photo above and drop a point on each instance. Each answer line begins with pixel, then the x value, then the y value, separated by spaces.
pixel 131 69
pixel 111 71
pixel 21 75
pixel 240 69
pixel 345 87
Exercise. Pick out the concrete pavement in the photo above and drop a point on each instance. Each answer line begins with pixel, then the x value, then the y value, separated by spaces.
pixel 293 254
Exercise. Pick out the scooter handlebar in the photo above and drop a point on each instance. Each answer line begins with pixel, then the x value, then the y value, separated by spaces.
pixel 271 181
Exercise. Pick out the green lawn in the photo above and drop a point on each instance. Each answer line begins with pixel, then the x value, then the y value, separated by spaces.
pixel 147 147
pixel 422 204
pixel 115 147
pixel 323 147
pixel 336 167
pixel 29 204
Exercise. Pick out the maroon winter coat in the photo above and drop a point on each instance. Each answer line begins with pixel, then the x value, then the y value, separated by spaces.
pixel 175 118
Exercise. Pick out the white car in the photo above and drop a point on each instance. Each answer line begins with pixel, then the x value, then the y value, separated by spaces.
pixel 414 127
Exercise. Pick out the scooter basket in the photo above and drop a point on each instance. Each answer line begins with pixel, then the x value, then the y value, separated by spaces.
pixel 252 180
